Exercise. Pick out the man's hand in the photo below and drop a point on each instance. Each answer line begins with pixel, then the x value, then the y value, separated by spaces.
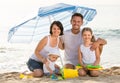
pixel 94 45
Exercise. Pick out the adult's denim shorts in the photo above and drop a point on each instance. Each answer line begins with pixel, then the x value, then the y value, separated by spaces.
pixel 32 65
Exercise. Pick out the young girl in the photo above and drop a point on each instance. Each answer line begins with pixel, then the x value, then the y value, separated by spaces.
pixel 50 67
pixel 86 56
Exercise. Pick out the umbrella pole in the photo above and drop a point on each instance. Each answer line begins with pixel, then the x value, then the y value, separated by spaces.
pixel 51 19
pixel 61 61
pixel 35 27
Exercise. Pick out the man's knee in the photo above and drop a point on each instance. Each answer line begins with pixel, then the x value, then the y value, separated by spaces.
pixel 70 66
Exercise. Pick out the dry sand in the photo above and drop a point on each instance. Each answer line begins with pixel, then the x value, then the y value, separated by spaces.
pixel 111 75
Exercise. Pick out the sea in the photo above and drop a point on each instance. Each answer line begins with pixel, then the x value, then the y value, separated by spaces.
pixel 13 57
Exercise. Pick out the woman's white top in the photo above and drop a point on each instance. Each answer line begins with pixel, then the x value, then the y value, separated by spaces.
pixel 47 48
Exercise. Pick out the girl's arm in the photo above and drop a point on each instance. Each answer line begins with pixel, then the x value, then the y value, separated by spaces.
pixel 48 68
pixel 56 66
pixel 80 58
pixel 97 53
pixel 39 47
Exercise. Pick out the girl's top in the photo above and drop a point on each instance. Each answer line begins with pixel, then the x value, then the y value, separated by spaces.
pixel 51 65
pixel 88 56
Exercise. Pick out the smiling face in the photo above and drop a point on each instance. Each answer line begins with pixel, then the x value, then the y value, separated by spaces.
pixel 53 57
pixel 76 22
pixel 87 36
pixel 56 30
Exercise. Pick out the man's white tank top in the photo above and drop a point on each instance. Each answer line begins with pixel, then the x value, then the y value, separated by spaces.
pixel 71 42
pixel 44 52
pixel 88 56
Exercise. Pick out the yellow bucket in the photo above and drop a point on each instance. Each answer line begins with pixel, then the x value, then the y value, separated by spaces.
pixel 70 73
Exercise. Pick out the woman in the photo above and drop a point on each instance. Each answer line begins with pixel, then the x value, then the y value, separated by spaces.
pixel 48 43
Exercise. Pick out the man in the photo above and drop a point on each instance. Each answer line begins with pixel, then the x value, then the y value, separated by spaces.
pixel 72 40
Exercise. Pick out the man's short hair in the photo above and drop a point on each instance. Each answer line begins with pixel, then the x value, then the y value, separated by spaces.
pixel 77 14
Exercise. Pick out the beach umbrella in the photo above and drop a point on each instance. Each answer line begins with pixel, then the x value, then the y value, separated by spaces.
pixel 33 29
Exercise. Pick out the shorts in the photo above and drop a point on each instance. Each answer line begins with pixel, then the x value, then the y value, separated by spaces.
pixel 32 65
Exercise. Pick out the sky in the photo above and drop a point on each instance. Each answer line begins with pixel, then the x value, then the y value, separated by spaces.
pixel 13 12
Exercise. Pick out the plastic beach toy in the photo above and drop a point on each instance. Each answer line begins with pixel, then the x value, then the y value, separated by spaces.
pixel 92 67
pixel 78 66
pixel 69 73
pixel 25 76
pixel 55 77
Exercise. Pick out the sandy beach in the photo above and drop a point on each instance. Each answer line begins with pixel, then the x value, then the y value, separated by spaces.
pixel 111 75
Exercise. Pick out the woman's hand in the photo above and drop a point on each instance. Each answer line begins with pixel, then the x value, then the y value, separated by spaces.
pixel 44 60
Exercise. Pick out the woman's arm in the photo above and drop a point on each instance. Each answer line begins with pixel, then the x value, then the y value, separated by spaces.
pixel 61 44
pixel 39 47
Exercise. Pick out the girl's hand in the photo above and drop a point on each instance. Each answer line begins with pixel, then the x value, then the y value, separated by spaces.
pixel 56 66
pixel 47 63
pixel 95 64
pixel 84 67
pixel 51 72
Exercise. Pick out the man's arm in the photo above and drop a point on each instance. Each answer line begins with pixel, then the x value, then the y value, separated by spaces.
pixel 98 43
pixel 101 41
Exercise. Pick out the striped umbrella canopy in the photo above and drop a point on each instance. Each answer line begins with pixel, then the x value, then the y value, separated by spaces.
pixel 33 29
